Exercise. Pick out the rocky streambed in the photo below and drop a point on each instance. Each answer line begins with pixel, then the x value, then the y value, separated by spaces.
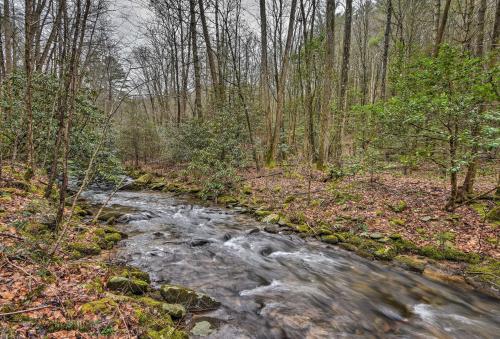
pixel 282 286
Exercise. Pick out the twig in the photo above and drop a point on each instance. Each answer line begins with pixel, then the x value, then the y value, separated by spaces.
pixel 124 321
pixel 25 311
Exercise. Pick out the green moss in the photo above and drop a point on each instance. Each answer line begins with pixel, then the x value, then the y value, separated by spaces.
pixel 487 272
pixel 166 333
pixel 330 239
pixel 449 254
pixel 122 284
pixel 103 306
pixel 86 248
pixel 289 199
pixel 397 222
pixel 324 231
pixel 173 310
pixel 411 263
pixel 262 213
pixel 151 319
pixel 303 228
pixel 112 237
pixel 494 214
pixel 227 200
pixel 144 179
pixel 246 189
pixel 399 207
pixel 385 253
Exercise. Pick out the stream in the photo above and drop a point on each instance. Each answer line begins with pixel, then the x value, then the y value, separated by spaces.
pixel 282 286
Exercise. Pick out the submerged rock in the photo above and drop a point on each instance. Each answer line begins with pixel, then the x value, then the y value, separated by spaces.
pixel 199 242
pixel 202 329
pixel 272 229
pixel 187 297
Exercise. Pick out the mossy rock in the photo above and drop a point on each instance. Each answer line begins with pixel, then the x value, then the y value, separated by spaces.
pixel 189 298
pixel 101 306
pixel 246 189
pixel 262 213
pixel 303 228
pixel 348 247
pixel 166 333
pixel 173 310
pixel 112 238
pixel 330 239
pixel 144 180
pixel 397 222
pixel 134 273
pixel 202 329
pixel 411 263
pixel 126 285
pixel 385 253
pixel 152 319
pixel 86 248
pixel 494 214
pixel 449 254
pixel 227 200
pixel 271 219
pixel 399 207
pixel 486 272
pixel 110 215
pixel 324 231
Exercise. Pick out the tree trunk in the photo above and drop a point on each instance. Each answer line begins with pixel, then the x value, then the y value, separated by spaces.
pixel 496 28
pixel 442 28
pixel 385 57
pixel 196 61
pixel 264 74
pixel 210 55
pixel 328 71
pixel 280 91
pixel 480 28
pixel 28 27
pixel 344 78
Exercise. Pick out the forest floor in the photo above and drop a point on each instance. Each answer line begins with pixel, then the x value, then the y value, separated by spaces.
pixel 69 295
pixel 389 208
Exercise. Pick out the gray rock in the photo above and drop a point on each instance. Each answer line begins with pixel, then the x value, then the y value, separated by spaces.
pixel 187 297
pixel 202 329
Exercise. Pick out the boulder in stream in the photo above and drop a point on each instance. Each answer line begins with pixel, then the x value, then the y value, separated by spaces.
pixel 187 297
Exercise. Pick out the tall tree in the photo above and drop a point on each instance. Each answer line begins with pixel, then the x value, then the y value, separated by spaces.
pixel 442 27
pixel 385 55
pixel 264 73
pixel 344 78
pixel 280 91
pixel 196 60
pixel 329 71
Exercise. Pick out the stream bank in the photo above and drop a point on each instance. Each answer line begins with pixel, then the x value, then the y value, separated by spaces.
pixel 441 262
pixel 281 285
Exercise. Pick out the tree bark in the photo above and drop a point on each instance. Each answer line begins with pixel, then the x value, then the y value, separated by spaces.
pixel 480 28
pixel 442 28
pixel 196 61
pixel 344 78
pixel 328 70
pixel 385 57
pixel 280 91
pixel 264 74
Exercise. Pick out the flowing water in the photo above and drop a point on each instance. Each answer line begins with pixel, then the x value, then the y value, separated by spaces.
pixel 281 286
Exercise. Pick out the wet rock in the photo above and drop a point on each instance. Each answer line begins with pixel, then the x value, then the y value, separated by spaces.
pixel 253 231
pixel 111 215
pixel 411 263
pixel 174 310
pixel 202 329
pixel 199 242
pixel 330 239
pixel 227 237
pixel 271 219
pixel 272 229
pixel 187 297
pixel 442 276
pixel 122 284
pixel 158 234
